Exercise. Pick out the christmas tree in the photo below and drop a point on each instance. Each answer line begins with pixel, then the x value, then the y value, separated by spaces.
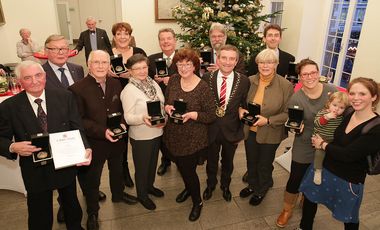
pixel 241 17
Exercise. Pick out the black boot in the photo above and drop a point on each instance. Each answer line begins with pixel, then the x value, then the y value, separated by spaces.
pixel 127 177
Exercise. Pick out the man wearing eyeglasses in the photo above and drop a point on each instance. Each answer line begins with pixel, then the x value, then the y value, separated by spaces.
pixel 218 38
pixel 272 38
pixel 99 96
pixel 59 72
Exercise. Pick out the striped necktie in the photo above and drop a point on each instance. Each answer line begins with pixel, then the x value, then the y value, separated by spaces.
pixel 223 89
pixel 41 115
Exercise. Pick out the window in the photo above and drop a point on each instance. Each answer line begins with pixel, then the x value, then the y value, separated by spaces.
pixel 277 6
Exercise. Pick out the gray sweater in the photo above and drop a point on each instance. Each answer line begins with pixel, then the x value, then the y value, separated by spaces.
pixel 303 151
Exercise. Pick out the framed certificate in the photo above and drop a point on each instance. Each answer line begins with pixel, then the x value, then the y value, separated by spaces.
pixel 67 149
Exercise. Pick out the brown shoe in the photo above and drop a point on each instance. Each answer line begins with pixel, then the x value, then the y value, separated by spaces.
pixel 289 202
pixel 283 219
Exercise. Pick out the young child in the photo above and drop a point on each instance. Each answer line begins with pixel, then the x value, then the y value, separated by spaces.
pixel 325 123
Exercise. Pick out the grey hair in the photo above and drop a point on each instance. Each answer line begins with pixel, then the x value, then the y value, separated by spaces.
pixel 267 55
pixel 26 64
pixel 91 18
pixel 91 56
pixel 219 27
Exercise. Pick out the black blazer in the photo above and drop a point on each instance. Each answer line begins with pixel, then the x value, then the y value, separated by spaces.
pixel 52 81
pixel 152 68
pixel 230 125
pixel 18 120
pixel 102 42
pixel 282 68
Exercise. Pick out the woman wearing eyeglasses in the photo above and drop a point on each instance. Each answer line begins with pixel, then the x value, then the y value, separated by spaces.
pixel 186 141
pixel 272 92
pixel 311 98
pixel 121 43
pixel 145 138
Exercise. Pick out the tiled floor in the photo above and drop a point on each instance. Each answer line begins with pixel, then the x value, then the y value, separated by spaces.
pixel 216 214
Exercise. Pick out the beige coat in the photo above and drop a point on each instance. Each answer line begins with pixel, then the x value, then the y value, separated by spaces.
pixel 274 107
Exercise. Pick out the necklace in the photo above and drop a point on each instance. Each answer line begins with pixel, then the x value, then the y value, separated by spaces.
pixel 221 110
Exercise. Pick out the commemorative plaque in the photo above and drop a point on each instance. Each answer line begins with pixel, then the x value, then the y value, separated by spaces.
pixel 206 56
pixel 295 120
pixel 113 123
pixel 253 110
pixel 161 68
pixel 117 64
pixel 180 109
pixel 154 111
pixel 42 157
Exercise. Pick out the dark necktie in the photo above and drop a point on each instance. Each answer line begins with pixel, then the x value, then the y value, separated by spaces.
pixel 41 115
pixel 92 32
pixel 223 89
pixel 64 81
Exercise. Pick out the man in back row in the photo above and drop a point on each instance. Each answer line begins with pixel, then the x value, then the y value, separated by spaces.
pixel 167 41
pixel 60 74
pixel 272 38
pixel 93 39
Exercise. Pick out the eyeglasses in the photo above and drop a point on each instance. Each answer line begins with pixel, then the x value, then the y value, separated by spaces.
pixel 37 76
pixel 58 50
pixel 266 62
pixel 140 68
pixel 311 74
pixel 184 66
pixel 99 63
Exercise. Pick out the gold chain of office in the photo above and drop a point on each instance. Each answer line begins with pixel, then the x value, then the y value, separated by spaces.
pixel 221 110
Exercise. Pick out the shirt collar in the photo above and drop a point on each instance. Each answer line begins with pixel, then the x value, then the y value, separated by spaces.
pixel 31 98
pixel 56 68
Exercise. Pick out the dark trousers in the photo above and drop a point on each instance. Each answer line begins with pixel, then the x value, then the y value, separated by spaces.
pixel 227 153
pixel 145 156
pixel 90 177
pixel 40 208
pixel 165 159
pixel 309 209
pixel 297 171
pixel 187 166
pixel 260 159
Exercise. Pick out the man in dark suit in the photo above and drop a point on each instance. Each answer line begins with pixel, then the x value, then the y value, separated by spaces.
pixel 272 39
pixel 93 39
pixel 99 96
pixel 218 38
pixel 230 90
pixel 59 72
pixel 33 111
pixel 167 41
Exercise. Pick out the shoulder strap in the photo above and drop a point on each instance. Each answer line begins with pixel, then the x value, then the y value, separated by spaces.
pixel 370 125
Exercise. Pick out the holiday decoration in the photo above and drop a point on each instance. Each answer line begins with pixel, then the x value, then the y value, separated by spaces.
pixel 241 18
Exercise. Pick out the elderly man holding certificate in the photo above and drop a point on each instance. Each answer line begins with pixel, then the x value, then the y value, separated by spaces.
pixel 28 117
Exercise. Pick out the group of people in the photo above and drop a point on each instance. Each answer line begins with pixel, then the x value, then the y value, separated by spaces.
pixel 215 97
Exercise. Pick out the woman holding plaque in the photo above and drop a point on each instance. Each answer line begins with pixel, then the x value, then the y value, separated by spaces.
pixel 121 43
pixel 271 92
pixel 311 98
pixel 145 138
pixel 186 139
pixel 122 36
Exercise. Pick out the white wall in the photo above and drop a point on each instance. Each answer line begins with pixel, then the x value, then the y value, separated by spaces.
pixel 367 61
pixel 39 16
pixel 140 14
